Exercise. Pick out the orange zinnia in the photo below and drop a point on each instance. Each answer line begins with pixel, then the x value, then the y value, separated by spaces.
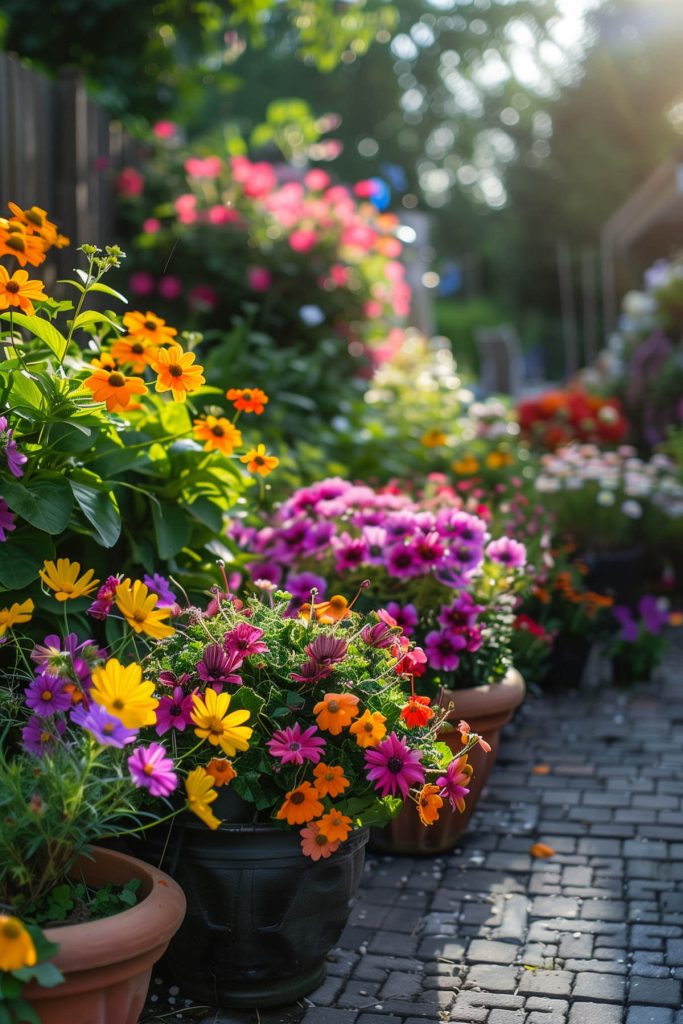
pixel 17 290
pixel 417 712
pixel 334 610
pixel 258 461
pixel 114 388
pixel 301 805
pixel 429 803
pixel 219 434
pixel 335 826
pixel 221 771
pixel 369 729
pixel 175 372
pixel 147 325
pixel 14 241
pixel 247 399
pixel 136 352
pixel 314 844
pixel 330 779
pixel 336 711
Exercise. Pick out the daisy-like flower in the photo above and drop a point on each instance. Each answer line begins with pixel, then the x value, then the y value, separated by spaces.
pixel 454 784
pixel 429 803
pixel 174 711
pixel 17 949
pixel 105 361
pixel 201 793
pixel 7 523
pixel 134 351
pixel 310 672
pixel 294 745
pixel 151 328
pixel 507 551
pixel 36 222
pixel 217 667
pixel 39 735
pixel 152 769
pixel 16 241
pixel 330 780
pixel 336 711
pixel 176 372
pixel 369 729
pixel 114 389
pixel 326 652
pixel 107 730
pixel 380 635
pixel 121 691
pixel 218 434
pixel 394 767
pixel 16 460
pixel 248 399
pixel 64 578
pixel 18 290
pixel 15 615
pixel 417 712
pixel 335 826
pixel 300 805
pixel 314 844
pixel 258 461
pixel 213 723
pixel 139 609
pixel 46 696
pixel 244 640
pixel 221 771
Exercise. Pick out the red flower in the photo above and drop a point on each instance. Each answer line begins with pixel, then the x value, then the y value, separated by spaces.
pixel 417 712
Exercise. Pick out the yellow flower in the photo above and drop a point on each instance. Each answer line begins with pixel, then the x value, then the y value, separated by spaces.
pixel 257 461
pixel 16 613
pixel 369 729
pixel 200 793
pixel 465 466
pixel 218 433
pixel 433 438
pixel 63 579
pixel 16 945
pixel 17 290
pixel 121 691
pixel 214 724
pixel 137 606
pixel 175 372
pixel 496 460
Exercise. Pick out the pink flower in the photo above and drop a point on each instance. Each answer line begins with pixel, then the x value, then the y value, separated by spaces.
pixel 217 667
pixel 174 711
pixel 221 214
pixel 186 208
pixel 130 182
pixel 151 225
pixel 164 129
pixel 244 640
pixel 394 766
pixel 316 180
pixel 259 279
pixel 203 298
pixel 405 616
pixel 7 523
pixel 453 783
pixel 206 167
pixel 150 768
pixel 101 606
pixel 141 283
pixel 507 551
pixel 170 287
pixel 260 181
pixel 303 240
pixel 442 649
pixel 294 746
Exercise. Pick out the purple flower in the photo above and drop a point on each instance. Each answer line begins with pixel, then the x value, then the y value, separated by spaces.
pixel 402 561
pixel 293 746
pixel 394 766
pixel 107 730
pixel 159 585
pixel 174 711
pixel 462 613
pixel 464 556
pixel 350 552
pixel 508 552
pixel 301 585
pixel 102 604
pixel 429 548
pixel 15 460
pixel 399 525
pixel 309 672
pixel 218 667
pixel 6 520
pixel 453 523
pixel 406 616
pixel 244 640
pixel 326 651
pixel 654 617
pixel 151 768
pixel 380 635
pixel 442 649
pixel 46 696
pixel 40 734
pixel 52 657
pixel 473 637
pixel 629 626
pixel 375 538
pixel 452 784
pixel 265 571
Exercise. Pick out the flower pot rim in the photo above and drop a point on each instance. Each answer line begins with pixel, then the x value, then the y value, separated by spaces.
pixel 489 699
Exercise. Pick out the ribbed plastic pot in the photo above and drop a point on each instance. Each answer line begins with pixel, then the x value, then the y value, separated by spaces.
pixel 261 916
pixel 107 964
pixel 487 709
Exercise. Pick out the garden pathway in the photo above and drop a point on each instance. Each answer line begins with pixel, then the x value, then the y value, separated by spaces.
pixel 491 935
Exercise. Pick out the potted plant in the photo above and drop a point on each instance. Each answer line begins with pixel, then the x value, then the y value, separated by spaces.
pixel 639 646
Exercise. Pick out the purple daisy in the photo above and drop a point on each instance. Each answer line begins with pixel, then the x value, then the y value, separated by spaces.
pixel 7 523
pixel 380 635
pixel 406 616
pixel 293 746
pixel 399 525
pixel 46 696
pixel 174 711
pixel 442 649
pixel 158 584
pixel 244 640
pixel 151 768
pixel 40 735
pixel 15 460
pixel 376 541
pixel 452 784
pixel 507 551
pixel 454 523
pixel 394 766
pixel 105 728
pixel 218 667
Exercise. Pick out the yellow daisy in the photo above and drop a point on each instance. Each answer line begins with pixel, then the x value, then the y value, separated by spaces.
pixel 63 578
pixel 214 724
pixel 201 792
pixel 138 608
pixel 121 691
pixel 15 614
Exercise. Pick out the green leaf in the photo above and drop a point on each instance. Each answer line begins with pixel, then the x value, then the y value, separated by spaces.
pixel 171 528
pixel 46 974
pixel 207 513
pixel 98 504
pixel 45 503
pixel 21 556
pixel 99 287
pixel 42 329
pixel 25 391
pixel 91 317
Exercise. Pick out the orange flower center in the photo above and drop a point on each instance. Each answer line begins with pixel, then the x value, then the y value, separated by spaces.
pixel 148 769
pixel 108 728
pixel 45 737
pixel 297 798
pixel 175 371
pixel 12 287
pixel 46 695
pixel 116 380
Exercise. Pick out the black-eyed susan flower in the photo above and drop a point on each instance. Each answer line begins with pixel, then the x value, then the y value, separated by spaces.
pixel 64 578
pixel 177 372
pixel 201 792
pixel 17 949
pixel 149 326
pixel 121 691
pixel 218 434
pixel 19 291
pixel 300 805
pixel 258 461
pixel 220 727
pixel 248 399
pixel 136 352
pixel 15 241
pixel 36 222
pixel 113 388
pixel 139 608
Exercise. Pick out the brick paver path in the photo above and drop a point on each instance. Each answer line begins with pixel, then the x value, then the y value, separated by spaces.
pixel 490 935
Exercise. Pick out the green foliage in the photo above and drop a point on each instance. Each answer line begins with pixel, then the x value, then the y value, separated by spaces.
pixel 458 320
pixel 75 901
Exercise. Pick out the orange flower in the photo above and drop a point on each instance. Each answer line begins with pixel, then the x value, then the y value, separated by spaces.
pixel 465 731
pixel 147 325
pixel 176 372
pixel 301 804
pixel 334 610
pixel 314 844
pixel 218 433
pixel 14 241
pixel 466 466
pixel 330 779
pixel 104 361
pixel 496 460
pixel 336 711
pixel 417 712
pixel 429 803
pixel 248 399
pixel 369 729
pixel 541 769
pixel 136 352
pixel 17 290
pixel 221 771
pixel 35 221
pixel 541 850
pixel 258 461
pixel 114 388
pixel 335 826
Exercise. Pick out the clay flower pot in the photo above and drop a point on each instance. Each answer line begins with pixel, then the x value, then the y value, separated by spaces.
pixel 487 709
pixel 107 964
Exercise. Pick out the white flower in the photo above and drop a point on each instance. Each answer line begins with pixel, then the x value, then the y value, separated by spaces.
pixel 632 509
pixel 605 498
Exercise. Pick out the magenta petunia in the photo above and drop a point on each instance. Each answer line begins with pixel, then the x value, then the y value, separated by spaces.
pixel 294 745
pixel 244 640
pixel 507 551
pixel 406 616
pixel 301 585
pixel 7 523
pixel 443 649
pixel 46 696
pixel 393 766
pixel 151 768
pixel 174 711
pixel 350 552
pixel 461 614
pixel 402 561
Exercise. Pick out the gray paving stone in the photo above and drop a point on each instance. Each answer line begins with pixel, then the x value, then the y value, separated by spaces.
pixel 595 1013
pixel 486 951
pixel 608 988
pixel 649 1015
pixel 546 983
pixel 655 992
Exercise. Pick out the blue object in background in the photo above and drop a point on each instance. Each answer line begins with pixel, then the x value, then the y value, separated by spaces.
pixel 395 175
pixel 451 280
pixel 381 194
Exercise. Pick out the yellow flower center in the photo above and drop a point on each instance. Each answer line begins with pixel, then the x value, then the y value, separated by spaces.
pixel 215 726
pixel 45 737
pixel 46 695
pixel 116 380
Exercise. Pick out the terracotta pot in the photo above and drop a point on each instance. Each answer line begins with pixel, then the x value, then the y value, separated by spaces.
pixel 107 964
pixel 487 709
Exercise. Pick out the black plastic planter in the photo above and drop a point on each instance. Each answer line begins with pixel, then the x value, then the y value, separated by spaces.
pixel 261 917
pixel 618 573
